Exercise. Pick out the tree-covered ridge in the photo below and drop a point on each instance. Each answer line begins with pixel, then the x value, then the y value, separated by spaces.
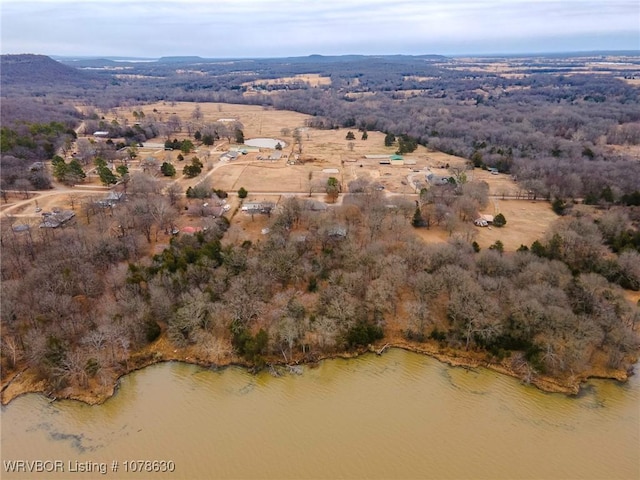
pixel 28 70
pixel 78 305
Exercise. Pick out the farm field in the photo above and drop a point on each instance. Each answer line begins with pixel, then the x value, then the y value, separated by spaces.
pixel 321 149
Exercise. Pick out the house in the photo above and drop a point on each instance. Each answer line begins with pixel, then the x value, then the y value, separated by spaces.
pixel 483 220
pixel 101 133
pixel 276 155
pixel 437 179
pixel 115 197
pixel 396 160
pixel 191 230
pixel 229 156
pixel 337 232
pixel 111 200
pixel 258 207
pixel 57 219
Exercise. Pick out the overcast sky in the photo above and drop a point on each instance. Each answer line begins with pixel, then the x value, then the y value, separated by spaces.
pixel 276 28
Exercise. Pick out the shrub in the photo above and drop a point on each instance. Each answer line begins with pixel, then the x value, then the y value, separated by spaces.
pixel 498 246
pixel 242 193
pixel 438 335
pixel 559 206
pixel 363 334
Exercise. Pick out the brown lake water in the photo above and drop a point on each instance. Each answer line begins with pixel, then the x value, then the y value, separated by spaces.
pixel 401 415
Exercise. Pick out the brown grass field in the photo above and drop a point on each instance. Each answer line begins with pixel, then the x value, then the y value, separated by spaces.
pixel 311 79
pixel 527 221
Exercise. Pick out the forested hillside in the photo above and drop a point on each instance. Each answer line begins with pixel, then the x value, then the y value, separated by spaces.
pixel 78 306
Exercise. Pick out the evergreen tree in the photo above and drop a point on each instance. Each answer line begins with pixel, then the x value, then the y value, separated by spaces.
pixel 499 220
pixel 417 218
pixel 167 169
pixel 389 139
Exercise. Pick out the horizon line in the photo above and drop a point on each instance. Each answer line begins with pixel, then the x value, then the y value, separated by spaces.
pixel 456 55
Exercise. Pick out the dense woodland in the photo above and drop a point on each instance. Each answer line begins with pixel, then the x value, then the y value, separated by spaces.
pixel 79 303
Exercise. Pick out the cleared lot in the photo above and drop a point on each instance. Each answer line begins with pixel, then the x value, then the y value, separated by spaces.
pixel 527 221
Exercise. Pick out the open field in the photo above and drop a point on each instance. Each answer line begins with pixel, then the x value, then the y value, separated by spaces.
pixel 527 221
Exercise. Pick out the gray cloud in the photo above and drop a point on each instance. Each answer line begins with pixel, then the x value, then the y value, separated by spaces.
pixel 241 28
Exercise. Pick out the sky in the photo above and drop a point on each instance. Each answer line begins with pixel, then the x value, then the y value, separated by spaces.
pixel 280 28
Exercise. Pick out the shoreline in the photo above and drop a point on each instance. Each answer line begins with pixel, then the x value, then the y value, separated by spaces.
pixel 23 382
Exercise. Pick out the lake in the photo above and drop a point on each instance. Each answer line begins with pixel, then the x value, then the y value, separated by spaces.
pixel 400 415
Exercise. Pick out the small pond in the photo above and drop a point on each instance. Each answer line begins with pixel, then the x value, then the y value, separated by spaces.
pixel 265 142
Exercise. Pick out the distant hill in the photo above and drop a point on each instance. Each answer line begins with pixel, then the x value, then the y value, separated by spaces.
pixel 29 70
pixel 88 62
